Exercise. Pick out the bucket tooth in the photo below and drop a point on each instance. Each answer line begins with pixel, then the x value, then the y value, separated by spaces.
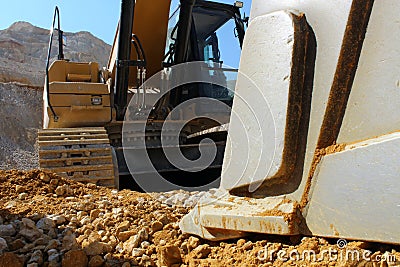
pixel 231 217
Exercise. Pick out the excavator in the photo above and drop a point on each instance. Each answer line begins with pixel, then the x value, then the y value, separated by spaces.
pixel 314 141
pixel 314 145
pixel 85 107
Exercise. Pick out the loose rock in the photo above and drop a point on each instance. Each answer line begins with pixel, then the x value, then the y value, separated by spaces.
pixel 75 258
pixel 169 255
pixel 96 261
pixel 10 259
pixel 3 244
pixel 201 251
pixel 7 230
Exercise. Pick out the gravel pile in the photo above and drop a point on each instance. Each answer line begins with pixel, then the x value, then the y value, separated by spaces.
pixel 20 119
pixel 46 220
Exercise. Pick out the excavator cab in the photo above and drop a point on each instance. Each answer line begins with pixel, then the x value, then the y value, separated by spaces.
pixel 215 33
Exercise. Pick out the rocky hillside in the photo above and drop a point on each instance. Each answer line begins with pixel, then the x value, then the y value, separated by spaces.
pixel 23 52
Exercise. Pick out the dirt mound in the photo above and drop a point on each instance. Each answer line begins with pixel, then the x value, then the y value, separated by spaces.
pixel 51 221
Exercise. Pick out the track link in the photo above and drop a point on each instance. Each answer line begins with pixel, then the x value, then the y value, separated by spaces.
pixel 80 154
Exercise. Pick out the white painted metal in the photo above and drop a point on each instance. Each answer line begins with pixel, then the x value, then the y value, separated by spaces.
pixel 328 19
pixel 374 105
pixel 356 194
pixel 225 216
pixel 260 103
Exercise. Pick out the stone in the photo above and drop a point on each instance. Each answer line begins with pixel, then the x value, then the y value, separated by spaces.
pixel 193 242
pixel 148 262
pixel 248 245
pixel 124 226
pixel 143 234
pixel 131 243
pixel 60 190
pixel 29 230
pixel 123 236
pixel 138 252
pixel 53 255
pixel 22 196
pixel 44 177
pixel 40 241
pixel 45 224
pixel 145 244
pixel 96 261
pixel 94 214
pixel 37 256
pixel 97 248
pixel 36 217
pixel 3 244
pixel 168 256
pixel 10 259
pixel 69 242
pixel 201 251
pixel 11 204
pixel 16 244
pixel 156 226
pixel 52 252
pixel 58 219
pixel 52 233
pixel 163 219
pixel 93 236
pixel 85 220
pixel 28 223
pixel 53 264
pixel 74 258
pixel 7 230
pixel 240 242
pixel 91 185
pixel 52 244
pixel 19 189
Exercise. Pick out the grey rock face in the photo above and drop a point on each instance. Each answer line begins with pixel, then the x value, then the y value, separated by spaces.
pixel 23 52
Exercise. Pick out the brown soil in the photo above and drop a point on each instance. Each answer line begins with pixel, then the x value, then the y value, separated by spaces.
pixel 34 194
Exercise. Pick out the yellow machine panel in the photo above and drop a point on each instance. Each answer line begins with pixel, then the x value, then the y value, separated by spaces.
pixel 77 97
pixel 151 26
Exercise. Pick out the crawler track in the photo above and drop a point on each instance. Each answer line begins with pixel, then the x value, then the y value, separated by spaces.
pixel 80 154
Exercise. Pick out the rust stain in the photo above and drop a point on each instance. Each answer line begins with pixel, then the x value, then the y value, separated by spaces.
pixel 293 219
pixel 346 68
pixel 335 232
pixel 319 154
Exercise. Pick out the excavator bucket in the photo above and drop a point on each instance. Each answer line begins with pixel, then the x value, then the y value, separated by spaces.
pixel 314 140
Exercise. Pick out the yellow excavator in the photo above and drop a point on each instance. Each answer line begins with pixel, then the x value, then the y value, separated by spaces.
pixel 85 106
pixel 314 141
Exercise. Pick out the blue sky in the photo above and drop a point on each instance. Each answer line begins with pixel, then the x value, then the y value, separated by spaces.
pixel 98 17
